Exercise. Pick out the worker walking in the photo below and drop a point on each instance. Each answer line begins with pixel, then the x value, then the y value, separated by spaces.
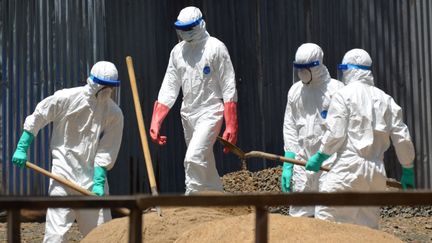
pixel 201 66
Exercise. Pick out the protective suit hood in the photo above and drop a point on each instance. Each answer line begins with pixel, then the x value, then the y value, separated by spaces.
pixel 103 76
pixel 357 57
pixel 309 53
pixel 190 25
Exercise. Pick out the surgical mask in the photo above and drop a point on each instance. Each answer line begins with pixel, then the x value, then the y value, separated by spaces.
pixel 104 93
pixel 303 72
pixel 343 69
pixel 186 35
pixel 100 91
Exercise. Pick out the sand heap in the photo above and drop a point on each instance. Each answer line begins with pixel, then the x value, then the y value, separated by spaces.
pixel 232 225
pixel 236 224
pixel 168 228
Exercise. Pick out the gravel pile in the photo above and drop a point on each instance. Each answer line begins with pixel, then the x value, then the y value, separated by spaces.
pixel 406 211
pixel 267 180
pixel 245 181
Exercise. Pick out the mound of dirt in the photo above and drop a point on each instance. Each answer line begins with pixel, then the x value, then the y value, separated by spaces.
pixel 169 227
pixel 220 225
pixel 228 224
pixel 283 229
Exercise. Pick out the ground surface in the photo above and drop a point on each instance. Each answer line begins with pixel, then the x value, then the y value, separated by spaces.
pixel 410 224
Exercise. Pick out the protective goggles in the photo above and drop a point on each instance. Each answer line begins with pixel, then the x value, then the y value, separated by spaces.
pixel 352 66
pixel 186 26
pixel 344 67
pixel 306 65
pixel 114 83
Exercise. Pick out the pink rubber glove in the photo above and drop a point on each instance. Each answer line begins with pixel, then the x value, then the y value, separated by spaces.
pixel 231 125
pixel 160 111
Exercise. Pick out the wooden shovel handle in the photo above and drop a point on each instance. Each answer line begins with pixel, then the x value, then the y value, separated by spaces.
pixel 141 126
pixel 142 130
pixel 123 211
pixel 260 154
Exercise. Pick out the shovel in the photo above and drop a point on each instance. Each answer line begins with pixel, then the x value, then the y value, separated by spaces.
pixel 258 154
pixel 63 181
pixel 141 128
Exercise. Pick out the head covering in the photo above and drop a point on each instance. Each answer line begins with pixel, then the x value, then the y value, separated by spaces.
pixel 356 66
pixel 190 25
pixel 104 73
pixel 308 65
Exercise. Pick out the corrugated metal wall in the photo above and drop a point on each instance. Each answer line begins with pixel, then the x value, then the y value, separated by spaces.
pixel 262 37
pixel 46 46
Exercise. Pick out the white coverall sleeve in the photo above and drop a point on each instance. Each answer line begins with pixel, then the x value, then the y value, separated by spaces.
pixel 45 112
pixel 290 132
pixel 109 143
pixel 171 84
pixel 226 75
pixel 400 137
pixel 337 123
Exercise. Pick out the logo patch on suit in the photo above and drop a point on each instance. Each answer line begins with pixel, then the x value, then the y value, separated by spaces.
pixel 324 114
pixel 206 70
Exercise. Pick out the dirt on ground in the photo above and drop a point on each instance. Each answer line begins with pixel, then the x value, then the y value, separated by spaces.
pixel 409 224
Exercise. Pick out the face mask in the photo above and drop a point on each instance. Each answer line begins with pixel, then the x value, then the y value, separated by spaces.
pixel 303 72
pixel 189 35
pixel 305 75
pixel 104 93
pixel 98 90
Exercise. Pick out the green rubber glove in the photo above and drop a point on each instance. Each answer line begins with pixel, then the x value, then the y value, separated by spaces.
pixel 99 177
pixel 407 179
pixel 287 171
pixel 314 163
pixel 19 157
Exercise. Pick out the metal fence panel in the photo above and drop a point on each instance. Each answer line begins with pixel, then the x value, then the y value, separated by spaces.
pixel 46 46
pixel 47 53
pixel 262 37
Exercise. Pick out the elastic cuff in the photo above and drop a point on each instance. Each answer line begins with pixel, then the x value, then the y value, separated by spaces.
pixel 323 155
pixel 99 172
pixel 28 136
pixel 408 166
pixel 408 170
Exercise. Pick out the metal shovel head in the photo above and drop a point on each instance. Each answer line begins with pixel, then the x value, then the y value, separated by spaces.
pixel 233 149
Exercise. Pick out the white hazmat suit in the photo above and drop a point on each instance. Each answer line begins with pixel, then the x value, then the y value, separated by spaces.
pixel 303 128
pixel 360 121
pixel 87 132
pixel 201 66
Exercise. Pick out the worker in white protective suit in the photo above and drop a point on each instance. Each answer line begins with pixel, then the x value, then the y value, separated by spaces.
pixel 201 66
pixel 361 121
pixel 305 113
pixel 86 137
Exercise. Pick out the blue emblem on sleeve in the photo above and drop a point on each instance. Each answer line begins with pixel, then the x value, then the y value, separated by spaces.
pixel 206 70
pixel 324 114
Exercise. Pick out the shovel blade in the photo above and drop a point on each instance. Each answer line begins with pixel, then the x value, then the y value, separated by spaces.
pixel 232 148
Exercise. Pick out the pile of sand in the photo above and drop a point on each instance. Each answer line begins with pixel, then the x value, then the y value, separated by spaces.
pixel 232 225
